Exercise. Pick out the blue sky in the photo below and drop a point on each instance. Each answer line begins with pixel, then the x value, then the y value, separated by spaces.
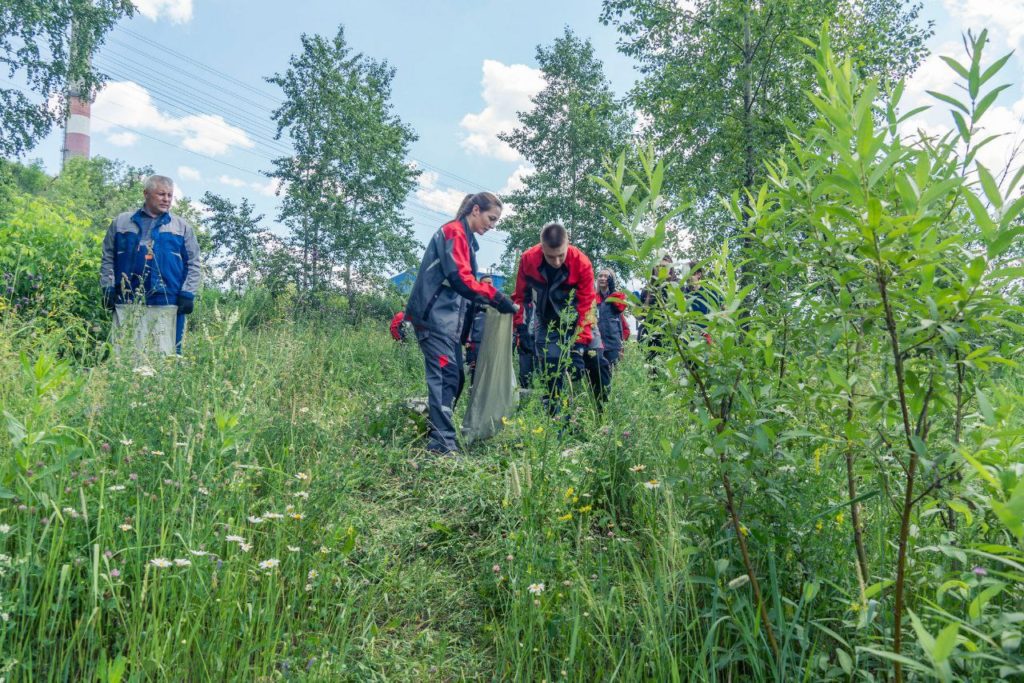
pixel 187 94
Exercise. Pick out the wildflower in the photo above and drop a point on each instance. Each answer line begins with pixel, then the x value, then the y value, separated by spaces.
pixel 585 509
pixel 496 569
pixel 324 550
pixel 255 520
pixel 839 518
pixel 272 515
pixel 245 547
pixel 569 492
pixel 855 606
pixel 817 459
pixel 652 484
pixel 304 409
pixel 125 527
pixel 126 442
pixel 980 571
pixel 819 526
pixel 787 469
pixel 5 528
pixel 116 487
pixel 293 548
pixel 107 554
pixel 297 515
pixel 536 588
pixel 144 371
pixel 509 558
pixel 302 476
pixel 105 447
pixel 565 518
pixel 567 583
pixel 115 573
pixel 744 530
pixel 182 562
pixel 133 476
pixel 505 421
pixel 312 574
pixel 234 539
pixel 156 453
pixel 301 494
pixel 203 490
pixel 638 468
pixel 160 562
pixel 200 553
pixel 70 512
pixel 270 564
pixel 538 430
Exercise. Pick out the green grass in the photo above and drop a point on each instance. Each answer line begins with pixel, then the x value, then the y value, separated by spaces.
pixel 381 563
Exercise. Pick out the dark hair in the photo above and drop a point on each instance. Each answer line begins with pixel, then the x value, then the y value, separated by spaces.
pixel 553 235
pixel 696 269
pixel 485 200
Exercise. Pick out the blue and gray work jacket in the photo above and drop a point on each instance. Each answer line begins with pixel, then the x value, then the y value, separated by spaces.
pixel 158 256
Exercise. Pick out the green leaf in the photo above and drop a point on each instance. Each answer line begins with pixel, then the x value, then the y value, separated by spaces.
pixel 845 661
pixel 952 101
pixel 988 183
pixel 987 101
pixel 945 642
pixel 985 407
pixel 994 68
pixel 956 66
pixel 978 604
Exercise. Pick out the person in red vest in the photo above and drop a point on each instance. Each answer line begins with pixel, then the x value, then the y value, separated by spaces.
pixel 445 285
pixel 557 277
pixel 399 328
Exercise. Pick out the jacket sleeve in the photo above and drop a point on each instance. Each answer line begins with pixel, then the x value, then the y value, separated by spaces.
pixel 625 328
pixel 457 270
pixel 585 301
pixel 194 274
pixel 519 295
pixel 107 258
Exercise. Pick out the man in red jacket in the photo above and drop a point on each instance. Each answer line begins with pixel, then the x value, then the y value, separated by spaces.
pixel 559 279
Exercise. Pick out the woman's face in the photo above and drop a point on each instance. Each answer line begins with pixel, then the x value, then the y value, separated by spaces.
pixel 482 221
pixel 602 279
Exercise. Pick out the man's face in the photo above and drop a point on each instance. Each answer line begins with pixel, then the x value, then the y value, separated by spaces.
pixel 555 256
pixel 487 280
pixel 158 199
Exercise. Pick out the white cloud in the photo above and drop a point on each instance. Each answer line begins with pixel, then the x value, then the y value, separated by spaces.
pixel 188 173
pixel 270 188
pixel 507 89
pixel 515 181
pixel 233 182
pixel 128 104
pixel 443 199
pixel 177 11
pixel 122 139
pixel 1003 118
pixel 1004 19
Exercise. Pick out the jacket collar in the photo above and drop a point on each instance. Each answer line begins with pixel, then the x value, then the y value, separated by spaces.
pixel 141 214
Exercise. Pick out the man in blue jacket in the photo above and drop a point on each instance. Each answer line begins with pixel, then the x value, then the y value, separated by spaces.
pixel 151 255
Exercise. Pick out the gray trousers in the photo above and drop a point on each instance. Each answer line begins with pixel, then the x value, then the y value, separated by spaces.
pixel 442 360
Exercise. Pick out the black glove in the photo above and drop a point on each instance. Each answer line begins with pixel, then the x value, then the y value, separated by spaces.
pixel 109 298
pixel 186 302
pixel 504 304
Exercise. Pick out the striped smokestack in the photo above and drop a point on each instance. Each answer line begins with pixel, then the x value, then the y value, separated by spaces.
pixel 76 128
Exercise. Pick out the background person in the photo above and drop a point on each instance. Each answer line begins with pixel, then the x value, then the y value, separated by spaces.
pixel 446 283
pixel 610 319
pixel 555 276
pixel 152 255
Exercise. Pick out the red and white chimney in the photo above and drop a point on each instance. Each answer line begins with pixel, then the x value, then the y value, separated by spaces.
pixel 76 128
